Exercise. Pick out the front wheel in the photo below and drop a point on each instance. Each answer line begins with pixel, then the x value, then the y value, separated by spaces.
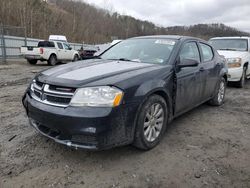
pixel 242 81
pixel 76 58
pixel 151 123
pixel 219 95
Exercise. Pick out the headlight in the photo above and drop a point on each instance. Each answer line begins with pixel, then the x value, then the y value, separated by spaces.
pixel 234 62
pixel 102 96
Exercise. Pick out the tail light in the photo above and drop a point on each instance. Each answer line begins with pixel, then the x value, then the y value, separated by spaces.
pixel 41 50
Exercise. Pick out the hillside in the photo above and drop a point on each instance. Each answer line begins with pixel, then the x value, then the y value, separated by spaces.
pixel 82 22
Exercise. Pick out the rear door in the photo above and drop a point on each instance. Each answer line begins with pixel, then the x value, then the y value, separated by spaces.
pixel 209 72
pixel 188 79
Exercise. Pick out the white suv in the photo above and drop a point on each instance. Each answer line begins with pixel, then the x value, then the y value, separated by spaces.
pixel 237 52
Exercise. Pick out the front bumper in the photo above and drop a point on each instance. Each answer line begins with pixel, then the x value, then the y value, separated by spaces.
pixel 83 127
pixel 235 74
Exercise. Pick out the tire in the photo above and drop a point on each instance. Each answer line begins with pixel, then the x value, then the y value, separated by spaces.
pixel 149 122
pixel 219 95
pixel 241 83
pixel 76 58
pixel 52 60
pixel 32 61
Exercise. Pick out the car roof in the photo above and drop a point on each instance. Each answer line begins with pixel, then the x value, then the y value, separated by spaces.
pixel 235 37
pixel 177 37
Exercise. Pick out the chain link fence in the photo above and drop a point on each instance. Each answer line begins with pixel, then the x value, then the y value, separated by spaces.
pixel 9 45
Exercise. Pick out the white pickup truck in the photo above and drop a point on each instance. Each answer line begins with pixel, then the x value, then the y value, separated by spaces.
pixel 50 51
pixel 237 52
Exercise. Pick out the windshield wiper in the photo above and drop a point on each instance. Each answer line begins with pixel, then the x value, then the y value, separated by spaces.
pixel 96 57
pixel 124 59
pixel 231 49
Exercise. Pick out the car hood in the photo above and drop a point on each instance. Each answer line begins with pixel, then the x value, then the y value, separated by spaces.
pixel 94 71
pixel 232 54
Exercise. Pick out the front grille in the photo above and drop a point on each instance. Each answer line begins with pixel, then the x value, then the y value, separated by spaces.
pixel 38 94
pixel 51 94
pixel 58 100
pixel 84 139
pixel 48 131
pixel 40 84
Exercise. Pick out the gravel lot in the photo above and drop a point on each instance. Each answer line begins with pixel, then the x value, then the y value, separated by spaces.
pixel 207 147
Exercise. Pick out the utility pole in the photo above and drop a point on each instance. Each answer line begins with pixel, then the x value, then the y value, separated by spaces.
pixel 3 43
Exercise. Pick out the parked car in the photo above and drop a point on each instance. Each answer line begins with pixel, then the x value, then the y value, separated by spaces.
pixel 237 52
pixel 127 95
pixel 87 53
pixel 50 51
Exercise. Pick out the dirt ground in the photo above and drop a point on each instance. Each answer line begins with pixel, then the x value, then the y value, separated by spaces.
pixel 207 147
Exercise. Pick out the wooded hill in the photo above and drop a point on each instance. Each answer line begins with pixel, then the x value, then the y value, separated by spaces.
pixel 82 22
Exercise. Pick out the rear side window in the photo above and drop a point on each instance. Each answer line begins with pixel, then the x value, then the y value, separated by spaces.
pixel 207 52
pixel 190 51
pixel 60 46
pixel 46 44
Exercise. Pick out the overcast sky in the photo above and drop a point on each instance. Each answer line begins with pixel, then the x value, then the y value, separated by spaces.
pixel 235 13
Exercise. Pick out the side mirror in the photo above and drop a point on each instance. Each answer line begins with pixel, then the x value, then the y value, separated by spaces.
pixel 70 48
pixel 188 63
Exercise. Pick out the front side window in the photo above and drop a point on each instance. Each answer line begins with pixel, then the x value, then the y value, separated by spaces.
pixel 190 51
pixel 230 44
pixel 207 52
pixel 66 46
pixel 145 50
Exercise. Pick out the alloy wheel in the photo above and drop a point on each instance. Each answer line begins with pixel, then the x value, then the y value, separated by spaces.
pixel 221 92
pixel 153 122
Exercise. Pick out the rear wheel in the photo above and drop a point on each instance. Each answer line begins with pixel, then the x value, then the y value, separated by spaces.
pixel 219 95
pixel 151 123
pixel 32 61
pixel 242 81
pixel 52 60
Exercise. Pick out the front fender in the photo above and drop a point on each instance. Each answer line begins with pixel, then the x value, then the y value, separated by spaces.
pixel 160 87
pixel 150 87
pixel 223 72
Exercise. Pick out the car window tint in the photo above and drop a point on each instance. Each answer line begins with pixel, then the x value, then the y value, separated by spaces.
pixel 190 51
pixel 207 52
pixel 46 44
pixel 60 46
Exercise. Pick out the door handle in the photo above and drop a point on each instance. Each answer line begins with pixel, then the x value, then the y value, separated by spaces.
pixel 202 69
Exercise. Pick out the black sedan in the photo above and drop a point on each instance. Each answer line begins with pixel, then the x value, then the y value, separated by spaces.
pixel 127 95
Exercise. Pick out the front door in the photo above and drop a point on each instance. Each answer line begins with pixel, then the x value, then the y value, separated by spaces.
pixel 60 50
pixel 188 91
pixel 68 53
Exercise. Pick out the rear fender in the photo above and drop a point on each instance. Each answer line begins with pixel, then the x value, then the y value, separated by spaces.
pixel 223 73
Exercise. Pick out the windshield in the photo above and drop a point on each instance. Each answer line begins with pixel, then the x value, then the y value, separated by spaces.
pixel 229 44
pixel 141 50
